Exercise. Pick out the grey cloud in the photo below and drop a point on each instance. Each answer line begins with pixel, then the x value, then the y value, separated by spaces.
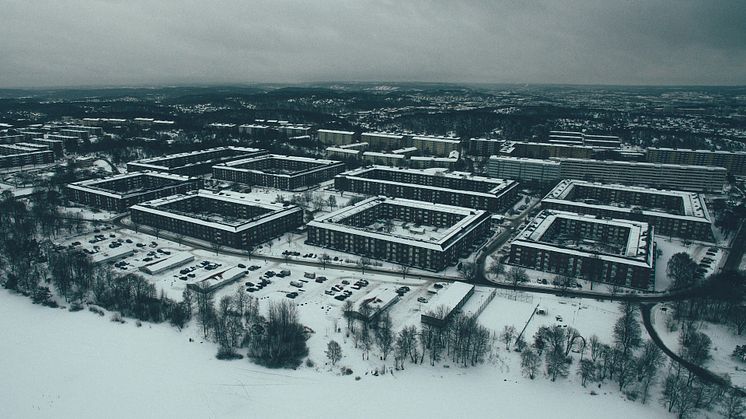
pixel 87 42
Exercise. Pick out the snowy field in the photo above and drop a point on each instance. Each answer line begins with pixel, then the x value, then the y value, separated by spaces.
pixel 71 365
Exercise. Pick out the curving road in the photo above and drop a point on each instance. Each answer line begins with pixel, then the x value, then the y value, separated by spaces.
pixel 703 373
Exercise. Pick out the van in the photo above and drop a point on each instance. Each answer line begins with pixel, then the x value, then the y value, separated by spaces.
pixel 296 284
pixel 309 275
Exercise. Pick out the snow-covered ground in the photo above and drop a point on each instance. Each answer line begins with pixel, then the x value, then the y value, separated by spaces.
pixel 70 365
pixel 724 341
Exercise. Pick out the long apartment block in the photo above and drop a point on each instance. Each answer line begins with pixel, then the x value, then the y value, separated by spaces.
pixel 224 219
pixel 198 162
pixel 451 188
pixel 412 233
pixel 618 252
pixel 662 176
pixel 15 156
pixel 118 193
pixel 673 213
pixel 277 171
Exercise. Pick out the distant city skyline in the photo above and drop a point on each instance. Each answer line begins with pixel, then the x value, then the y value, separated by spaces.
pixel 135 43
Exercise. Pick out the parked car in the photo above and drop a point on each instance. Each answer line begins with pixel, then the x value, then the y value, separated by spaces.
pixel 422 299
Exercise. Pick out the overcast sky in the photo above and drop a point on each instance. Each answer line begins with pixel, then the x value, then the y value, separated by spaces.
pixel 149 42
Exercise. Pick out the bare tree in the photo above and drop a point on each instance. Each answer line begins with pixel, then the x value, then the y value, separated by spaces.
pixel 517 275
pixel 497 269
pixel 404 269
pixel 333 352
pixel 385 336
pixel 325 258
pixel 507 335
pixel 530 363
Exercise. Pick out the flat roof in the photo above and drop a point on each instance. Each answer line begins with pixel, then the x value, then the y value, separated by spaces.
pixel 685 150
pixel 91 185
pixel 154 207
pixel 526 160
pixel 693 204
pixel 152 160
pixel 332 131
pixel 448 297
pixel 637 249
pixel 497 184
pixel 639 164
pixel 333 221
pixel 384 135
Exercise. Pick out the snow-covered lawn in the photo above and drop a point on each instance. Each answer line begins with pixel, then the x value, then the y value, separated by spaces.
pixel 72 365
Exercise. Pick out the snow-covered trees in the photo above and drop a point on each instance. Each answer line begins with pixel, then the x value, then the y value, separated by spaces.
pixel 281 341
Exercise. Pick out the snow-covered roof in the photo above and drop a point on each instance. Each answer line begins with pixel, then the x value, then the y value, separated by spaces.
pixel 377 299
pixel 450 296
pixel 525 160
pixel 639 239
pixel 153 161
pixel 432 138
pixel 384 135
pixel 157 206
pixel 98 185
pixel 175 259
pixel 333 221
pixel 496 185
pixel 331 131
pixel 693 205
pixel 683 150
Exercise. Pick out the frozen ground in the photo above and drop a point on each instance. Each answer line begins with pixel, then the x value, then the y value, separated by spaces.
pixel 71 365
pixel 724 341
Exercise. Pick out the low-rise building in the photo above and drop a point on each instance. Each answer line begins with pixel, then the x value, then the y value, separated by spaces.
pixel 223 219
pixel 618 252
pixel 411 233
pixel 451 297
pixel 198 162
pixel 117 193
pixel 673 213
pixel 524 169
pixel 452 188
pixel 282 172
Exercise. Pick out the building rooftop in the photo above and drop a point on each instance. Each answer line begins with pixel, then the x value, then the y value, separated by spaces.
pixel 232 225
pixel 693 205
pixel 334 221
pixel 638 248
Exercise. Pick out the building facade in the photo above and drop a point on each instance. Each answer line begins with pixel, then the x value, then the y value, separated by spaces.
pixel 282 172
pixel 662 176
pixel 118 193
pixel 336 138
pixel 524 169
pixel 733 161
pixel 15 156
pixel 672 213
pixel 618 252
pixel 222 219
pixel 361 229
pixel 195 162
pixel 451 188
